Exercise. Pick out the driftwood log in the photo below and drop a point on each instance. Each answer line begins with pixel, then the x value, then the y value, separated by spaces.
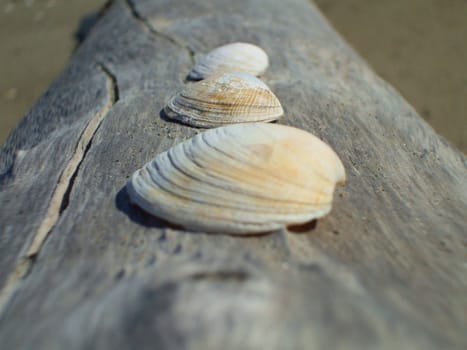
pixel 80 268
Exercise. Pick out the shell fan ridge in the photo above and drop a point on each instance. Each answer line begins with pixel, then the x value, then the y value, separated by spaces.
pixel 235 57
pixel 225 98
pixel 240 179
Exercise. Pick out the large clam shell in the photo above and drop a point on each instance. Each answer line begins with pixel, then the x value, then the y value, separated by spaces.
pixel 225 98
pixel 236 57
pixel 240 179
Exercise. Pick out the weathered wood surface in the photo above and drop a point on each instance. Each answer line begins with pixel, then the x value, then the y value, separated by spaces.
pixel 81 268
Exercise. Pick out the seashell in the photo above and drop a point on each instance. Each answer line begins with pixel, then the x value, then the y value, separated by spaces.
pixel 240 179
pixel 225 98
pixel 236 57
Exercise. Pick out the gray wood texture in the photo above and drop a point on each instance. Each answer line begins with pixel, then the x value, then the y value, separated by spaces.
pixel 80 268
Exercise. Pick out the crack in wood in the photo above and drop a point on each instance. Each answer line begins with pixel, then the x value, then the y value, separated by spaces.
pixel 145 23
pixel 221 275
pixel 61 195
pixel 65 184
pixel 20 271
pixel 114 91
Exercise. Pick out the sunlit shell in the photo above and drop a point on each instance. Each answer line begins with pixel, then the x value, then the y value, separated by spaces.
pixel 236 57
pixel 240 179
pixel 226 98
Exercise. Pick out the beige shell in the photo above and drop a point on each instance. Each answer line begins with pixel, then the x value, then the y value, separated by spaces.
pixel 236 57
pixel 240 179
pixel 226 98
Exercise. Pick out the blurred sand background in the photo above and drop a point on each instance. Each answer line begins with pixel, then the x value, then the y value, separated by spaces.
pixel 419 46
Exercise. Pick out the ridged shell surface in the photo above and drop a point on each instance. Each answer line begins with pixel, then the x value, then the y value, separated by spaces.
pixel 240 179
pixel 235 57
pixel 226 98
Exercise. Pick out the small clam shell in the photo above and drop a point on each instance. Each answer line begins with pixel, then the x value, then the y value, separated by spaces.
pixel 240 179
pixel 236 57
pixel 225 98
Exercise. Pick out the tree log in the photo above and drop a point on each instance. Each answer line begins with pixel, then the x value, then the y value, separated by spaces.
pixel 80 268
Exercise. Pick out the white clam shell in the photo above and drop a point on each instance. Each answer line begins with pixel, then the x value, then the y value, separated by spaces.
pixel 240 179
pixel 225 98
pixel 236 57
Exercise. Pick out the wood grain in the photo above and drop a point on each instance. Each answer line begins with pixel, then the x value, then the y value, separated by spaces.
pixel 386 269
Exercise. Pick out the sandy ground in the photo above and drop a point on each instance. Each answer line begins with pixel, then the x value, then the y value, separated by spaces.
pixel 419 46
pixel 36 42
